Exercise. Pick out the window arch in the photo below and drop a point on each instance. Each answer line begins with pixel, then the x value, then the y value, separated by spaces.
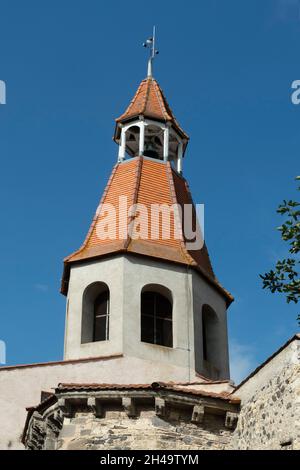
pixel 154 142
pixel 132 136
pixel 95 313
pixel 156 315
pixel 210 335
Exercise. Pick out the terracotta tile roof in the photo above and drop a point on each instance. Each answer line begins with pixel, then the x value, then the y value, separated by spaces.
pixel 150 102
pixel 148 182
pixel 156 386
pixel 94 387
pixel 63 387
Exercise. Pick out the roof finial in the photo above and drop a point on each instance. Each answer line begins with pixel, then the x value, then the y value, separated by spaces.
pixel 150 43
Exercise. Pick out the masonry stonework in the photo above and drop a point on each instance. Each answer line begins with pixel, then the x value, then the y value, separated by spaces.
pixel 157 416
pixel 270 411
pixel 117 431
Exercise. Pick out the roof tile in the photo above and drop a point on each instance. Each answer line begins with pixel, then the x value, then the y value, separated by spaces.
pixel 150 102
pixel 169 386
pixel 143 181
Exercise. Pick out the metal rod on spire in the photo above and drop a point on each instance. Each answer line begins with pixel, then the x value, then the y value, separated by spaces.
pixel 153 43
pixel 150 44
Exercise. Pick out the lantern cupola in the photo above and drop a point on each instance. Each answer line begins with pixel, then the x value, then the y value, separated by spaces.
pixel 148 127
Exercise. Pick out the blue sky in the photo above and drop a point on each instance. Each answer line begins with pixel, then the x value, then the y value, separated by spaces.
pixel 70 69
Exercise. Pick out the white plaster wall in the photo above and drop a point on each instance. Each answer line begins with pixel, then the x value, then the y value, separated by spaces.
pixel 21 387
pixel 111 272
pixel 139 272
pixel 126 276
pixel 203 294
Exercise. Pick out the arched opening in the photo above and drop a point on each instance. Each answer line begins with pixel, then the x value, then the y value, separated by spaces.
pixel 210 336
pixel 173 150
pixel 154 142
pixel 95 313
pixel 132 136
pixel 101 317
pixel 156 315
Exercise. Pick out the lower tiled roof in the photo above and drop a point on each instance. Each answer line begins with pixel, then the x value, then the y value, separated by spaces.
pixel 168 386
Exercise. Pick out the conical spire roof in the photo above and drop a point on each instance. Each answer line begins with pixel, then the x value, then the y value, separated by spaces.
pixel 143 181
pixel 149 101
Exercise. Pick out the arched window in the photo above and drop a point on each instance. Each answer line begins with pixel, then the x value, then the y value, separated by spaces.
pixel 101 317
pixel 95 313
pixel 156 316
pixel 154 142
pixel 132 141
pixel 210 335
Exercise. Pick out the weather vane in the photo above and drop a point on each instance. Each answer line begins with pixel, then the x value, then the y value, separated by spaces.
pixel 150 44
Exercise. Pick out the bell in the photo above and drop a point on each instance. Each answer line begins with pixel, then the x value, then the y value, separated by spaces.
pixel 151 150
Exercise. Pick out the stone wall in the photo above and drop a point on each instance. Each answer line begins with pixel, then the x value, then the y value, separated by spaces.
pixel 270 407
pixel 96 417
pixel 148 431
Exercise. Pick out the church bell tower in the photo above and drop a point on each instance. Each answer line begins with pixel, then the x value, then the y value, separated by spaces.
pixel 137 287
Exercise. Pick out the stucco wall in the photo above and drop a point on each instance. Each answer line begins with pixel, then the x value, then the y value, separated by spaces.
pixel 126 276
pixel 138 273
pixel 270 408
pixel 203 294
pixel 111 272
pixel 21 387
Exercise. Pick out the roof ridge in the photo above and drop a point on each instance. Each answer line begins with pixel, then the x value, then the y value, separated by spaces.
pixel 185 252
pixel 266 361
pixel 164 111
pixel 63 362
pixel 168 109
pixel 189 193
pixel 148 82
pixel 134 201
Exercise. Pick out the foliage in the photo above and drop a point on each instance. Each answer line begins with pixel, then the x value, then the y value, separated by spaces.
pixel 284 278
